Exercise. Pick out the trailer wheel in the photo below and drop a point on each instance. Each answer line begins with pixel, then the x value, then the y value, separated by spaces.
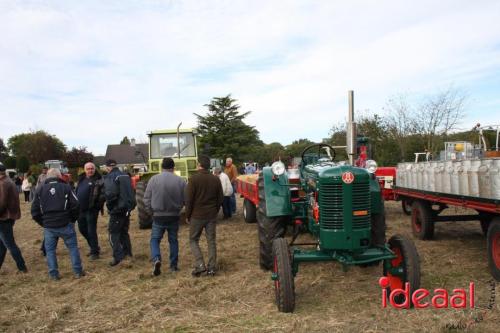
pixel 269 228
pixel 422 223
pixel 493 238
pixel 404 268
pixel 145 218
pixel 249 211
pixel 406 206
pixel 284 287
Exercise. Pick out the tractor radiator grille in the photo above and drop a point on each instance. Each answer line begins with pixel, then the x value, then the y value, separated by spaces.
pixel 332 207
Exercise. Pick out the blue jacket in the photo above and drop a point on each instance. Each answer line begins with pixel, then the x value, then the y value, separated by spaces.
pixel 118 192
pixel 55 205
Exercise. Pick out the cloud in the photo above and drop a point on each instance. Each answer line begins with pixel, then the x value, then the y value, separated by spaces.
pixel 92 72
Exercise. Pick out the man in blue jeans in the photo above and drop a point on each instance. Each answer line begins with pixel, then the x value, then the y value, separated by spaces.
pixel 164 197
pixel 55 207
pixel 9 212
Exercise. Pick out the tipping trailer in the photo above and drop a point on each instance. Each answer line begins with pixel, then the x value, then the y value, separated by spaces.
pixel 247 187
pixel 468 177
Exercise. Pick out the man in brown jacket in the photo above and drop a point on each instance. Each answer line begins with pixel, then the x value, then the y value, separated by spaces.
pixel 231 171
pixel 9 212
pixel 203 200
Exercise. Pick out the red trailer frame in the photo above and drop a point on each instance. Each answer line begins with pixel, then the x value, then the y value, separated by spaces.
pixel 250 192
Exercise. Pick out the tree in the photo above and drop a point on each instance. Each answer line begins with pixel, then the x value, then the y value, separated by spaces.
pixel 269 153
pixel 296 147
pixel 223 132
pixel 10 162
pixel 4 152
pixel 77 157
pixel 125 141
pixel 37 146
pixel 23 165
pixel 439 114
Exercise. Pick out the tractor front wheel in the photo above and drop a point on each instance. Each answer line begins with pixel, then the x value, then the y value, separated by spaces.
pixel 422 223
pixel 284 287
pixel 145 218
pixel 249 211
pixel 494 248
pixel 402 269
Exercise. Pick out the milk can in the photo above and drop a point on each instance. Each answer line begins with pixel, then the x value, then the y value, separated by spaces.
pixel 420 172
pixel 438 177
pixel 463 178
pixel 484 179
pixel 401 175
pixel 495 179
pixel 456 166
pixel 430 176
pixel 413 176
pixel 473 178
pixel 448 170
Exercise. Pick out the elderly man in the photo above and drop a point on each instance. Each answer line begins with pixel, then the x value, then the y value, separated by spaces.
pixel 91 199
pixel 164 196
pixel 9 213
pixel 120 201
pixel 231 171
pixel 203 200
pixel 42 177
pixel 56 208
pixel 227 190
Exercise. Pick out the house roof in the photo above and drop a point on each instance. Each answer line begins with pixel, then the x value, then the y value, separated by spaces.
pixel 126 154
pixel 99 160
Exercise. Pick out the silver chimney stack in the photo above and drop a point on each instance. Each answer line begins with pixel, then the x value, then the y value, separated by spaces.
pixel 351 131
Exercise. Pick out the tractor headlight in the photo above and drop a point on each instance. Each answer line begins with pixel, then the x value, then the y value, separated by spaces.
pixel 278 168
pixel 371 166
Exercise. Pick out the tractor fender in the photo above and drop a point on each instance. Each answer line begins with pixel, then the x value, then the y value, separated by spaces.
pixel 376 199
pixel 277 194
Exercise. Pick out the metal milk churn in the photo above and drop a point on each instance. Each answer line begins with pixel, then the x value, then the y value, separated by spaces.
pixel 420 173
pixel 463 178
pixel 438 176
pixel 495 179
pixel 456 165
pixel 473 178
pixel 430 176
pixel 448 171
pixel 484 178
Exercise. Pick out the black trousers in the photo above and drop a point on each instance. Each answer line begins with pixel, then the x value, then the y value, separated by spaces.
pixel 87 224
pixel 7 242
pixel 119 238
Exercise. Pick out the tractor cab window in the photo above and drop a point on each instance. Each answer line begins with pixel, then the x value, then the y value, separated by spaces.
pixel 165 145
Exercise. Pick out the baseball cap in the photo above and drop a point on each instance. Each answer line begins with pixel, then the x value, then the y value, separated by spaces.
pixel 110 163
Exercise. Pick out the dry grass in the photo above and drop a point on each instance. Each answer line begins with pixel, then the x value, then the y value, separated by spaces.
pixel 241 296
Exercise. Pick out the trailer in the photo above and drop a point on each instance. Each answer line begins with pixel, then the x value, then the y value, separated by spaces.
pixel 464 179
pixel 248 188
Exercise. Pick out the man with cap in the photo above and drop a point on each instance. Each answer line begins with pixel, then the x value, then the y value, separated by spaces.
pixel 164 197
pixel 9 213
pixel 42 177
pixel 120 201
pixel 55 207
pixel 204 197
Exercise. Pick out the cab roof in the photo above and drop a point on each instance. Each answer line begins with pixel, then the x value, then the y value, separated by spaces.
pixel 173 131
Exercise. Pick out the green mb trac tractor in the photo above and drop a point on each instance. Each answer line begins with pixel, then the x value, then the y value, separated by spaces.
pixel 341 207
pixel 181 146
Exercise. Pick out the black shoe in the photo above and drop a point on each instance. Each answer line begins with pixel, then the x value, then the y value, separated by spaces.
pixel 198 271
pixel 55 277
pixel 157 268
pixel 94 256
pixel 174 269
pixel 23 270
pixel 210 272
pixel 114 262
pixel 80 275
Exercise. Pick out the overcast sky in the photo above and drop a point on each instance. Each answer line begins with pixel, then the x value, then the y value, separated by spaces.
pixel 92 72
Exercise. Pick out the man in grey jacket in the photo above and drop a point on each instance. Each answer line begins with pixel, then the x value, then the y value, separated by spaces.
pixel 164 197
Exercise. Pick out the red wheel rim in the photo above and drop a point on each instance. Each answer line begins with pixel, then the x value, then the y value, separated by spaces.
pixel 396 281
pixel 417 224
pixel 495 249
pixel 275 270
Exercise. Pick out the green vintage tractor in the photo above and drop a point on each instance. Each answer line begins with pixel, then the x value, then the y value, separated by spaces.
pixel 341 207
pixel 181 146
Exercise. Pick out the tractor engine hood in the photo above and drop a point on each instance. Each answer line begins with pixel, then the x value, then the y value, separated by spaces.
pixel 332 173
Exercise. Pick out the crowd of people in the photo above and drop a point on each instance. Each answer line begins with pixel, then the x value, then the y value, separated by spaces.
pixel 56 207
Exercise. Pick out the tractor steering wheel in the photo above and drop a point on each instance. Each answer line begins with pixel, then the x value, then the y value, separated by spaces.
pixel 319 145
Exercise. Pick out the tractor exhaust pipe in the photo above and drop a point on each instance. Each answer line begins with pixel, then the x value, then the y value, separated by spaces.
pixel 178 141
pixel 351 131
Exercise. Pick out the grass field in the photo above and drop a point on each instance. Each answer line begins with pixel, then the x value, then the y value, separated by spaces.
pixel 241 297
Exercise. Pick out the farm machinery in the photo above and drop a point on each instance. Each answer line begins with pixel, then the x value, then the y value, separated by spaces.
pixel 341 206
pixel 181 146
pixel 61 166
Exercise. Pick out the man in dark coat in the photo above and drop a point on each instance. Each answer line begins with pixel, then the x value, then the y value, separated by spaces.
pixel 91 199
pixel 120 201
pixel 9 213
pixel 55 207
pixel 204 197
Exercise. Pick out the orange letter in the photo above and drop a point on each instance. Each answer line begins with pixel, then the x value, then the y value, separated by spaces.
pixel 415 298
pixel 460 295
pixel 405 292
pixel 440 294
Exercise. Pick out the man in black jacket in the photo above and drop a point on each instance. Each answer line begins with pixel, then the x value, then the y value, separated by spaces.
pixel 55 207
pixel 91 199
pixel 120 201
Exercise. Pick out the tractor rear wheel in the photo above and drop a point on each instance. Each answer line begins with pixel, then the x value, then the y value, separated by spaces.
pixel 249 211
pixel 493 238
pixel 422 223
pixel 406 206
pixel 269 228
pixel 145 218
pixel 284 287
pixel 404 268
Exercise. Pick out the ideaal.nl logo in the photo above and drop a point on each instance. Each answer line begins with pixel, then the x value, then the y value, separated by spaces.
pixel 400 298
